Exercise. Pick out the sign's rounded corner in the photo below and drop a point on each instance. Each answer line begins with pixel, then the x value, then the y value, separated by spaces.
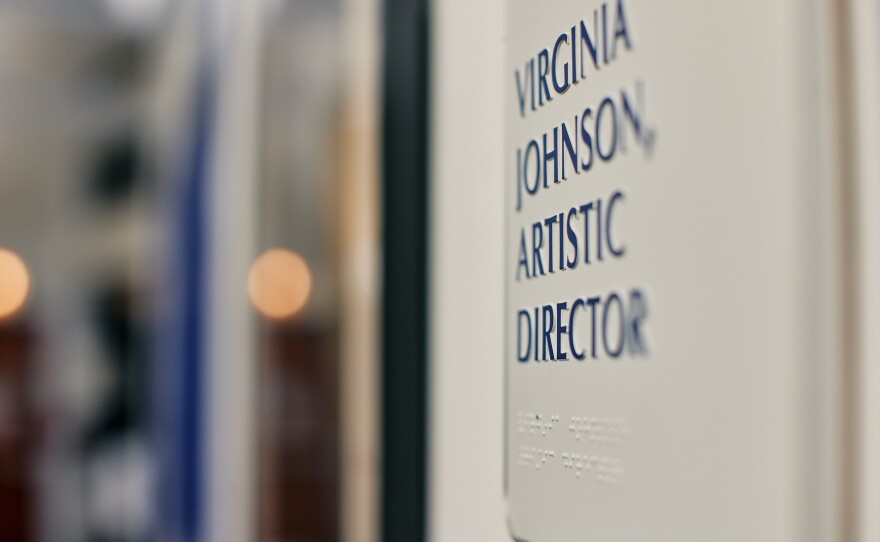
pixel 508 520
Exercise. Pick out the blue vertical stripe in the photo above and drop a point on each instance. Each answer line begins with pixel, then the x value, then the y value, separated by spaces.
pixel 181 364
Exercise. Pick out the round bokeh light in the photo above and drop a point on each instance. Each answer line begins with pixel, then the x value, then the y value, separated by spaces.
pixel 279 283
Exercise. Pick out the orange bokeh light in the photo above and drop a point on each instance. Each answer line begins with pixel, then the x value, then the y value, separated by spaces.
pixel 15 284
pixel 279 283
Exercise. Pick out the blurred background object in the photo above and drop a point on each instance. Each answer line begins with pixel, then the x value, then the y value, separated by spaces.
pixel 123 417
pixel 91 99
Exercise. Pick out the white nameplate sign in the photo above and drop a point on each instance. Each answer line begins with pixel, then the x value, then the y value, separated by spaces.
pixel 664 271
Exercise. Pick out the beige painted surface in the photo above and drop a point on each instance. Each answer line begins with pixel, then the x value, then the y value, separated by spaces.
pixel 466 378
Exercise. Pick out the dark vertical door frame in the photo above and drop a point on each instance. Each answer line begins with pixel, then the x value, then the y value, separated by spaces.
pixel 405 299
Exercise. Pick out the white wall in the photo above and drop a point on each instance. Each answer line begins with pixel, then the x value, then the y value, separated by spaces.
pixel 466 449
pixel 865 17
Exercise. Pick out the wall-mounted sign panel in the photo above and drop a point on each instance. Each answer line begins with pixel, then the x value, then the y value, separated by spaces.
pixel 668 271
